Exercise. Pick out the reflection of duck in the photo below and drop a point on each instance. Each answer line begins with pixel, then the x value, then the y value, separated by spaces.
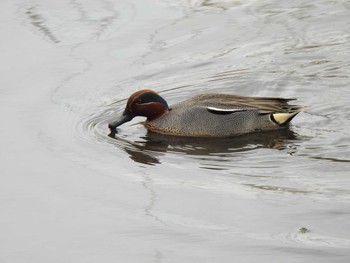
pixel 150 151
pixel 208 115
pixel 210 146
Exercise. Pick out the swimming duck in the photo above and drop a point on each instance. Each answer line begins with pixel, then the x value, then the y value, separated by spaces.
pixel 213 114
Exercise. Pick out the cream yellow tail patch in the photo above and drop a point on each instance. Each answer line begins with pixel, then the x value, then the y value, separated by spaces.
pixel 283 118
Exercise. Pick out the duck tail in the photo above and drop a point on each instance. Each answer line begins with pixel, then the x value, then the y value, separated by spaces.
pixel 285 118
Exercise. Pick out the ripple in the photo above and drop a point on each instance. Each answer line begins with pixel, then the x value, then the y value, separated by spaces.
pixel 96 22
pixel 314 239
pixel 39 22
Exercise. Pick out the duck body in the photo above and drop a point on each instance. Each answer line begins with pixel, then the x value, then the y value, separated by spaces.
pixel 211 115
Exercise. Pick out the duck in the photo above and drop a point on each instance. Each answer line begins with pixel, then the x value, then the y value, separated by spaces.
pixel 208 114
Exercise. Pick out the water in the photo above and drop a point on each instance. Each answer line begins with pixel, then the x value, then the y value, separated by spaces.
pixel 71 193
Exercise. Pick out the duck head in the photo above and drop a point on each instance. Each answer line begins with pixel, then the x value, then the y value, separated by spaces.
pixel 146 103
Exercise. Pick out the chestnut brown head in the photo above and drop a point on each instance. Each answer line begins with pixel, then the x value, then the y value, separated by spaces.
pixel 146 103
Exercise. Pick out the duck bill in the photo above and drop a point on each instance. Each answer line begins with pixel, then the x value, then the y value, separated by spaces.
pixel 122 119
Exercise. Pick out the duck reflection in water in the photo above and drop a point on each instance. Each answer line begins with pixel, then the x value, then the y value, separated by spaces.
pixel 152 146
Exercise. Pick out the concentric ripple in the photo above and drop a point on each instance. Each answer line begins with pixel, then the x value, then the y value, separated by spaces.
pixel 136 140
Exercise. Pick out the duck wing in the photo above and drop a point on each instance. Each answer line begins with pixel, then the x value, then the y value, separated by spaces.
pixel 228 103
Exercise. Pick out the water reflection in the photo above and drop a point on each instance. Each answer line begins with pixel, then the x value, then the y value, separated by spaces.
pixel 150 147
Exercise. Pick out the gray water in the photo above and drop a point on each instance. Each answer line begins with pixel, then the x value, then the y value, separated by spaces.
pixel 71 193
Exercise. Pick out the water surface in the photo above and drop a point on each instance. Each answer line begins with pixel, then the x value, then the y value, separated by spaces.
pixel 72 193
